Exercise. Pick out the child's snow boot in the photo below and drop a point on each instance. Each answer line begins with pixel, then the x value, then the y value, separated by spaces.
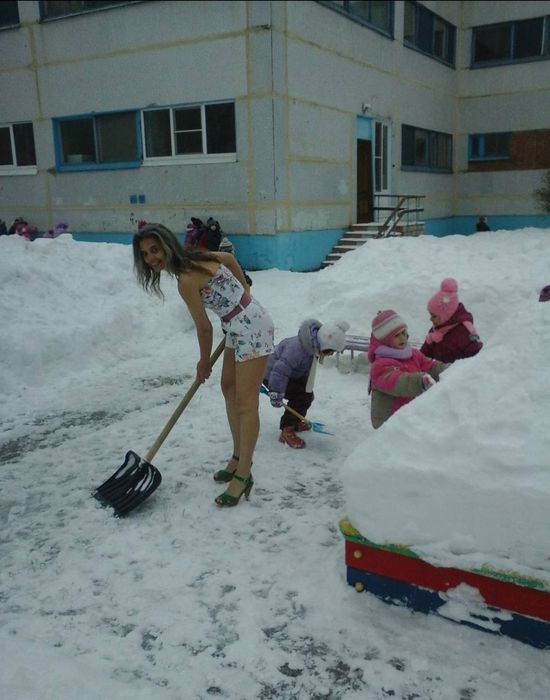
pixel 289 437
pixel 302 426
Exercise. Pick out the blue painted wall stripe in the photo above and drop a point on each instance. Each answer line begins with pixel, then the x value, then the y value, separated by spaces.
pixel 303 251
pixel 466 225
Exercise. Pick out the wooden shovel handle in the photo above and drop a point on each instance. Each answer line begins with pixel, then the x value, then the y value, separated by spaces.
pixel 295 413
pixel 181 406
pixel 265 390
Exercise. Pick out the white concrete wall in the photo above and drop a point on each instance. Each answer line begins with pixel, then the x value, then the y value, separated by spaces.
pixel 499 98
pixel 155 53
pixel 334 66
pixel 299 73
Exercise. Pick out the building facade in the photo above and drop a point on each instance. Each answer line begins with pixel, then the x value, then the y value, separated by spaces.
pixel 286 121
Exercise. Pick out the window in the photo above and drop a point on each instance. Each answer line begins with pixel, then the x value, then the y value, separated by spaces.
pixel 99 141
pixel 17 150
pixel 190 132
pixel 377 14
pixel 50 9
pixel 509 150
pixel 509 42
pixel 428 33
pixel 114 140
pixel 9 14
pixel 422 149
pixel 489 146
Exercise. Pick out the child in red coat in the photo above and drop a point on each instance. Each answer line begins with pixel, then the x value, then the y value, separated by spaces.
pixel 452 335
pixel 398 371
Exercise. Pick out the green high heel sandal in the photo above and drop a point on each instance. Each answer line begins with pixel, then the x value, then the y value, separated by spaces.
pixel 226 501
pixel 223 476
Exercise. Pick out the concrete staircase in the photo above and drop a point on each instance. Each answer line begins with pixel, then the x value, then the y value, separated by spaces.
pixel 361 233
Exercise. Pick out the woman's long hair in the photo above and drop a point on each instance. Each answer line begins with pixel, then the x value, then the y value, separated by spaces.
pixel 178 257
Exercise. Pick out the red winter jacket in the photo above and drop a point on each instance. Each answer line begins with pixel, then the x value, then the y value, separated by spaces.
pixel 455 340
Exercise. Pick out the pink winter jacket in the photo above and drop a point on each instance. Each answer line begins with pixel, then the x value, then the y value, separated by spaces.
pixel 395 382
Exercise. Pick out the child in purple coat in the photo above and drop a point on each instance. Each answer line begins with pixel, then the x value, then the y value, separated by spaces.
pixel 452 335
pixel 291 369
pixel 398 371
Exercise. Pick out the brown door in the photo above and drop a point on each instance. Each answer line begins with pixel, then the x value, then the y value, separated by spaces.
pixel 364 182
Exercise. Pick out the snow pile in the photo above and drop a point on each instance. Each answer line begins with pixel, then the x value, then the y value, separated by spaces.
pixel 462 473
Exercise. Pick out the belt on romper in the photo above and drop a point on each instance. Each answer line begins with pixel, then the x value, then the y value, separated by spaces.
pixel 243 303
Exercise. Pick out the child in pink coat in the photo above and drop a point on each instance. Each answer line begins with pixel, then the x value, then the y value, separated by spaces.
pixel 452 335
pixel 398 371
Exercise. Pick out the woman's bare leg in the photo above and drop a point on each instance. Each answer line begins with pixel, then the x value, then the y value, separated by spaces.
pixel 249 376
pixel 228 384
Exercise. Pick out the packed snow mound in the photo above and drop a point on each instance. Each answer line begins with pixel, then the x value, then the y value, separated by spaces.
pixel 462 473
pixel 71 306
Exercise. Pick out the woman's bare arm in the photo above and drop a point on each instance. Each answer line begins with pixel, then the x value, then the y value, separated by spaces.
pixel 189 289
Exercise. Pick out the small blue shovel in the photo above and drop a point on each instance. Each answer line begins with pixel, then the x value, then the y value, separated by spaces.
pixel 316 427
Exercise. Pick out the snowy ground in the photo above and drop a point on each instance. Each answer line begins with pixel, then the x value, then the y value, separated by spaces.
pixel 181 600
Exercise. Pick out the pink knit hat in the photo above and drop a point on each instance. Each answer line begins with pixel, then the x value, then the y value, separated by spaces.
pixel 385 324
pixel 445 302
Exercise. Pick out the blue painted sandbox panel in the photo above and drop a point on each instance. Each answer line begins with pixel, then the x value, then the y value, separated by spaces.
pixel 525 629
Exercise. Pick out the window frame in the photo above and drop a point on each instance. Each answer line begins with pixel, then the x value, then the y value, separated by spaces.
pixel 482 157
pixel 43 8
pixel 62 166
pixel 381 157
pixel 191 158
pixel 511 58
pixel 12 5
pixel 421 15
pixel 13 168
pixel 432 139
pixel 342 7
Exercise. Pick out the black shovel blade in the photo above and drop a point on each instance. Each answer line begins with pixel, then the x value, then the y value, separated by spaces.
pixel 136 494
pixel 126 474
pixel 133 482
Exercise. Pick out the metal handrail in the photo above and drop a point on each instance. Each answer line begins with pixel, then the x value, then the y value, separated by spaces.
pixel 398 211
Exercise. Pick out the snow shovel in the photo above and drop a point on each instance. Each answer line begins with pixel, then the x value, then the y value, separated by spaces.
pixel 137 478
pixel 316 427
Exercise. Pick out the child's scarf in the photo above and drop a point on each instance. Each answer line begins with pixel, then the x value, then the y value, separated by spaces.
pixel 402 354
pixel 313 369
pixel 436 335
pixel 311 376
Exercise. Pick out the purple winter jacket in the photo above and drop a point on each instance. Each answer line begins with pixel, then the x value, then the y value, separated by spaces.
pixel 292 357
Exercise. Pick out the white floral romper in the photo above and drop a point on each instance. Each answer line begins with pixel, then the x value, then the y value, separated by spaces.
pixel 250 332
